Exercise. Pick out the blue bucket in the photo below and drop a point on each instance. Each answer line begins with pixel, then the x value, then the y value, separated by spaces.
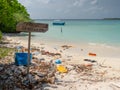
pixel 22 58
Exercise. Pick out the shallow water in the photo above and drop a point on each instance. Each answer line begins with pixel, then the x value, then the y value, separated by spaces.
pixel 82 31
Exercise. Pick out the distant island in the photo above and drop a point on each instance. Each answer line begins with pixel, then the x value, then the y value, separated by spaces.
pixel 78 19
pixel 111 18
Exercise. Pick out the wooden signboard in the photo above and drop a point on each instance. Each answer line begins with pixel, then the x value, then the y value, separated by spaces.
pixel 31 27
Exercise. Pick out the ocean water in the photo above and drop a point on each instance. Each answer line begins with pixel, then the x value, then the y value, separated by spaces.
pixel 82 31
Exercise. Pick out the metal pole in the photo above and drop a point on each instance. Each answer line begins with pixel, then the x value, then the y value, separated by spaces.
pixel 29 40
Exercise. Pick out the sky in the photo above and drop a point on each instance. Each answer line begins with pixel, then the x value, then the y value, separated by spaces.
pixel 72 9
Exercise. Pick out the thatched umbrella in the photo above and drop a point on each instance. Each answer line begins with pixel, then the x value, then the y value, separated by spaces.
pixel 31 27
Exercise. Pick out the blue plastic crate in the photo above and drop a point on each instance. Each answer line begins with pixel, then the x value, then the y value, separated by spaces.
pixel 22 58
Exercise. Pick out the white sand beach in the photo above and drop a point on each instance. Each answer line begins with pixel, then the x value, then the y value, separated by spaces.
pixel 105 64
pixel 104 53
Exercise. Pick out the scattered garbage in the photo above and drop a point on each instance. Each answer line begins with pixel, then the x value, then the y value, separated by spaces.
pixel 83 67
pixel 14 77
pixel 18 48
pixel 89 60
pixel 66 46
pixel 58 61
pixel 43 52
pixel 62 69
pixel 92 54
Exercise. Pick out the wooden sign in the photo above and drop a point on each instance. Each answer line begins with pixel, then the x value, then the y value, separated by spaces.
pixel 31 27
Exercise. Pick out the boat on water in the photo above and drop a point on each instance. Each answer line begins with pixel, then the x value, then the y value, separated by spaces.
pixel 58 22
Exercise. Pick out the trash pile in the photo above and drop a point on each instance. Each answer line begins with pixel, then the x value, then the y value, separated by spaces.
pixel 14 77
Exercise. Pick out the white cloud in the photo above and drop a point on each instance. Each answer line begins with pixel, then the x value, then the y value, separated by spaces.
pixel 44 1
pixel 94 9
pixel 79 2
pixel 68 8
pixel 26 3
pixel 94 2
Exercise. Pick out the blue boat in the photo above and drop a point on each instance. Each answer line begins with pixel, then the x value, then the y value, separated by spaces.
pixel 58 22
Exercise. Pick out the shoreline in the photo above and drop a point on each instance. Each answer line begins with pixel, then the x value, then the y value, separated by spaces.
pixel 109 54
pixel 60 41
pixel 103 50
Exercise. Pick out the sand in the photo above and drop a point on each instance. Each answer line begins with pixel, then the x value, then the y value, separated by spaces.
pixel 105 73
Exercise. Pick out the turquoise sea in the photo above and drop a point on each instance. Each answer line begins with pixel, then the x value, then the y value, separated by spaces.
pixel 82 31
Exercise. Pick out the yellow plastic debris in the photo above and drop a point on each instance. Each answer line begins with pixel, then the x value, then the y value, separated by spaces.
pixel 62 69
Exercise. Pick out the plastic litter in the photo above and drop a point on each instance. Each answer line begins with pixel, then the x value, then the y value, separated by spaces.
pixel 92 54
pixel 62 69
pixel 22 58
pixel 58 61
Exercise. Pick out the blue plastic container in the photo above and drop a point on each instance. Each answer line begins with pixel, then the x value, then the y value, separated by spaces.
pixel 22 58
pixel 58 61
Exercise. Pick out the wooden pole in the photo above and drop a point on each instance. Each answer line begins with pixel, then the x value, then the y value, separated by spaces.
pixel 28 65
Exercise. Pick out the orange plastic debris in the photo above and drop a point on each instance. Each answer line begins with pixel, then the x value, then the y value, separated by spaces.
pixel 92 54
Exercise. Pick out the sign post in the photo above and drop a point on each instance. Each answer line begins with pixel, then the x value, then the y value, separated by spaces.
pixel 29 41
pixel 31 27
